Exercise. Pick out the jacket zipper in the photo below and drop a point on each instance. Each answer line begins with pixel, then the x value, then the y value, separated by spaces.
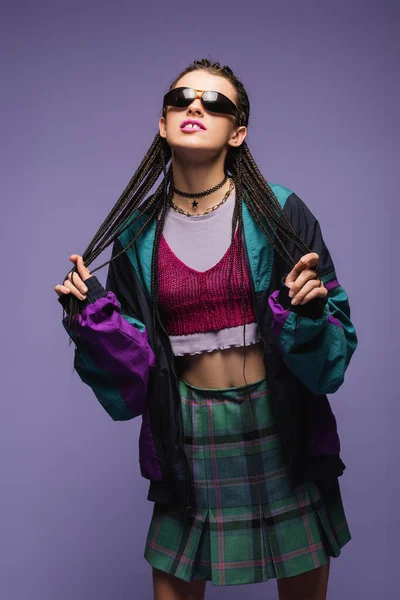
pixel 177 413
pixel 177 409
pixel 253 290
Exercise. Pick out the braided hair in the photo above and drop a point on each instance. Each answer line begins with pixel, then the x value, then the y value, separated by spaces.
pixel 250 185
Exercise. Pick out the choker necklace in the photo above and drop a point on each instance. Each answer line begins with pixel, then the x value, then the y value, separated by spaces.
pixel 210 209
pixel 199 194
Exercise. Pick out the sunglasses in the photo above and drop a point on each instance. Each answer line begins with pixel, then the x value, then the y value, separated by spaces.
pixel 212 101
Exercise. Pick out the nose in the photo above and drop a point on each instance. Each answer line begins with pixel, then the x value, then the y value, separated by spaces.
pixel 195 107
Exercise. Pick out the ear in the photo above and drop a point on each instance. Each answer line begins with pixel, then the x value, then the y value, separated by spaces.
pixel 162 126
pixel 238 136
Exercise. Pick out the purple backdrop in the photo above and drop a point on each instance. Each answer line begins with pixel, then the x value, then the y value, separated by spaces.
pixel 81 86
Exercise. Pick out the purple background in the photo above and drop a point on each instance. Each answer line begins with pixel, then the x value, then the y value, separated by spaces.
pixel 81 87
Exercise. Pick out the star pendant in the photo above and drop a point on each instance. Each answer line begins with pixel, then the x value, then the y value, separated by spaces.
pixel 194 203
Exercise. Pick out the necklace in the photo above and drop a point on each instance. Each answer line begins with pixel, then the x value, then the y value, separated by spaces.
pixel 199 194
pixel 210 209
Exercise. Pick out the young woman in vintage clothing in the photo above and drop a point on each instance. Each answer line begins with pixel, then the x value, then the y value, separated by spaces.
pixel 246 522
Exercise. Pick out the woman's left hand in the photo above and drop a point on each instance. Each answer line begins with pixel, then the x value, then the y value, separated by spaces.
pixel 302 281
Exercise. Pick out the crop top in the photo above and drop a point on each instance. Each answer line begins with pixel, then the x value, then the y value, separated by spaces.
pixel 193 268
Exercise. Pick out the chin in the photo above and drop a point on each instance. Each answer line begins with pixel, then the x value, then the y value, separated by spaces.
pixel 194 150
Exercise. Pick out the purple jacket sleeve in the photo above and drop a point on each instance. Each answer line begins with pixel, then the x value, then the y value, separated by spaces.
pixel 113 355
pixel 317 339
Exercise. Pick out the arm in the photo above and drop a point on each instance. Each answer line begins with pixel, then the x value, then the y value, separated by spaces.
pixel 113 355
pixel 316 339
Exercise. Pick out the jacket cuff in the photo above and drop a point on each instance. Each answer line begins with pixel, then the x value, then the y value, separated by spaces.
pixel 95 291
pixel 314 309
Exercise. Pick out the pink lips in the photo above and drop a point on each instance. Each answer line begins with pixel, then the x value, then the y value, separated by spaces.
pixel 191 129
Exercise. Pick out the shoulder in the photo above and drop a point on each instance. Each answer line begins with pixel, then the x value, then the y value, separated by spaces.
pixel 293 206
pixel 133 224
pixel 281 192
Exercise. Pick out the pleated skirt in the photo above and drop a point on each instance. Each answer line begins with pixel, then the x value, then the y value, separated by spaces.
pixel 249 525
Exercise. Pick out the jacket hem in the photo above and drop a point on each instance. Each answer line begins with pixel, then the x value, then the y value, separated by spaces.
pixel 160 493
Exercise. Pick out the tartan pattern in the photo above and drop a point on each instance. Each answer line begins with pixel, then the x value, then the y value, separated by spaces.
pixel 241 532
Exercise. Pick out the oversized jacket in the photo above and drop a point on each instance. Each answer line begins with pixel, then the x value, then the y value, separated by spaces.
pixel 307 349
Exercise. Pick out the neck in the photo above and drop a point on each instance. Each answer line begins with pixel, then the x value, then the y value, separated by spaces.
pixel 198 177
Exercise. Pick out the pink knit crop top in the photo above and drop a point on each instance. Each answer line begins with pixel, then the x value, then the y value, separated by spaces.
pixel 193 283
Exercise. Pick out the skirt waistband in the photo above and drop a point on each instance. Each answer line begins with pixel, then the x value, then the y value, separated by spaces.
pixel 253 386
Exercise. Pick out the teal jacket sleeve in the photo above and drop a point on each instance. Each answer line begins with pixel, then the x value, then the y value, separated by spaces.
pixel 113 355
pixel 316 339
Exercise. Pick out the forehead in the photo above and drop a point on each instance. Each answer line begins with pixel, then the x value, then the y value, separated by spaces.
pixel 202 80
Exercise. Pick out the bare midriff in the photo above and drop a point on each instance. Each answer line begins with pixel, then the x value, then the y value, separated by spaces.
pixel 222 368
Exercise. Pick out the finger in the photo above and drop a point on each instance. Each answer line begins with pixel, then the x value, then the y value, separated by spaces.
pixel 306 262
pixel 301 281
pixel 310 259
pixel 82 270
pixel 61 289
pixel 307 288
pixel 74 290
pixel 77 282
pixel 317 292
pixel 294 273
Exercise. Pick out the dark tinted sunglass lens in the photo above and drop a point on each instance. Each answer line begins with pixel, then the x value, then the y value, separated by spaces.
pixel 217 102
pixel 179 97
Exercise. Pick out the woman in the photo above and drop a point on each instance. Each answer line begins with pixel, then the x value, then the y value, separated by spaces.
pixel 243 464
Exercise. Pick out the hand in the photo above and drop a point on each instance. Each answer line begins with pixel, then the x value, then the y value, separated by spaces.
pixel 302 280
pixel 77 288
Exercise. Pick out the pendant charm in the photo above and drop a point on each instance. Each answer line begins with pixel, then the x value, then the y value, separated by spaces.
pixel 194 203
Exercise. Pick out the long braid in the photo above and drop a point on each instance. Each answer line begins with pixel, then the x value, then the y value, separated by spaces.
pixel 120 216
pixel 154 259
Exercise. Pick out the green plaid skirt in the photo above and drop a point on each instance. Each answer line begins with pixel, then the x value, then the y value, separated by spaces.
pixel 249 525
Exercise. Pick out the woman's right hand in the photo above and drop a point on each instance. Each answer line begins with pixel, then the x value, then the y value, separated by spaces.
pixel 75 282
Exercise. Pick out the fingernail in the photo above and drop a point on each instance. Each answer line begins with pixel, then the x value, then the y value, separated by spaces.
pixel 291 293
pixel 83 290
pixel 294 301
